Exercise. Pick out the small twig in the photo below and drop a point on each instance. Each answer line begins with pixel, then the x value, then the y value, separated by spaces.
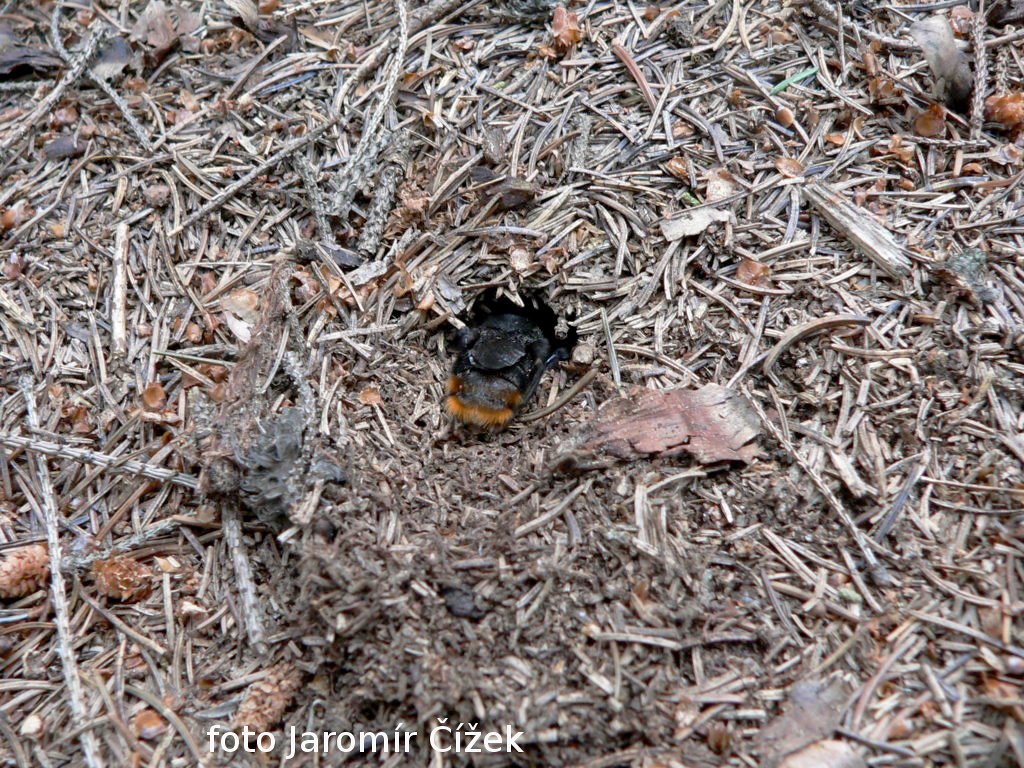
pixel 568 395
pixel 119 292
pixel 61 614
pixel 316 200
pixel 383 201
pixel 363 162
pixel 252 616
pixel 76 563
pixel 106 461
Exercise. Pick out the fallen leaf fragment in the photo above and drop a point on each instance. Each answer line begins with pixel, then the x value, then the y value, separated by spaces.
pixel 752 272
pixel 721 184
pixel 677 167
pixel 931 123
pixel 32 727
pixel 812 714
pixel 154 398
pixel 122 578
pixel 371 396
pixel 1007 110
pixel 712 424
pixel 148 725
pixel 789 167
pixel 163 27
pixel 690 223
pixel 17 58
pixel 825 754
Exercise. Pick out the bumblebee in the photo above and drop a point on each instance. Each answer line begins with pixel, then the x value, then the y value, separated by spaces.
pixel 503 353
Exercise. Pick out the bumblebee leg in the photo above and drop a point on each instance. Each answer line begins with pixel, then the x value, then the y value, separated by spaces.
pixel 539 367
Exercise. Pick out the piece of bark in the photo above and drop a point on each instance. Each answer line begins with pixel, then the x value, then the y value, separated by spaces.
pixel 712 423
pixel 859 227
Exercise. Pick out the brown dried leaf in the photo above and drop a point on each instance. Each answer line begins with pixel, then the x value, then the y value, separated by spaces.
pixel 931 123
pixel 789 167
pixel 23 571
pixel 244 303
pixel 148 725
pixel 565 29
pixel 677 167
pixel 266 700
pixel 154 398
pixel 371 396
pixel 961 18
pixel 16 215
pixel 1007 110
pixel 163 27
pixel 812 714
pixel 247 17
pixel 712 424
pixel 896 147
pixel 752 272
pixel 122 578
pixel 514 193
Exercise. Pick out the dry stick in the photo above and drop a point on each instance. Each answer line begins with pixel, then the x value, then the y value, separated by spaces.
pixel 104 460
pixel 231 524
pixel 62 619
pixel 103 85
pixel 978 28
pixel 119 292
pixel 858 536
pixel 77 66
pixel 222 197
pixel 569 394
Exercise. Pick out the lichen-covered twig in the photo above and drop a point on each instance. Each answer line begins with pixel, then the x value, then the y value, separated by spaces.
pixel 101 83
pixel 383 202
pixel 110 463
pixel 363 163
pixel 978 27
pixel 61 613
